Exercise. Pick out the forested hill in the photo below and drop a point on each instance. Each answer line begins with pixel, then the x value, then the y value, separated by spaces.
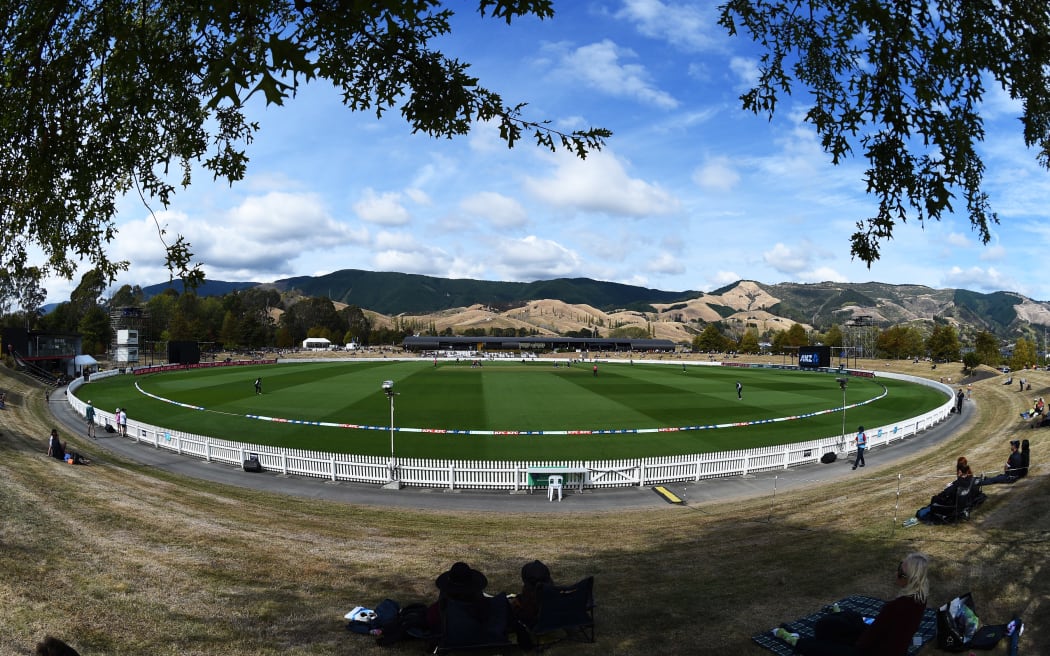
pixel 815 304
pixel 396 293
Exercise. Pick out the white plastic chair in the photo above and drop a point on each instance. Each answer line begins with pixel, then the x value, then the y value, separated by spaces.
pixel 554 482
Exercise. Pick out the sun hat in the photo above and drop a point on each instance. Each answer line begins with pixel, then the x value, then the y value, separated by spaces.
pixel 460 579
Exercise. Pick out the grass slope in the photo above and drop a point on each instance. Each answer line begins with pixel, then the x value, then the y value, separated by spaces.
pixel 512 397
pixel 122 559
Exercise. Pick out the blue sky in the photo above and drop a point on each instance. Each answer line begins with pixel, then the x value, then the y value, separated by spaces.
pixel 691 192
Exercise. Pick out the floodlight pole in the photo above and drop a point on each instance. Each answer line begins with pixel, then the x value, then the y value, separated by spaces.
pixel 388 389
pixel 843 382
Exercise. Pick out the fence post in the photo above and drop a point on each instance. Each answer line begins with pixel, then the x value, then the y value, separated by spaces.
pixel 333 468
pixel 207 450
pixel 452 477
pixel 284 463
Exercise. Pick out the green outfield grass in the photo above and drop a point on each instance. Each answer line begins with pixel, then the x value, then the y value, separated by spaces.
pixel 507 396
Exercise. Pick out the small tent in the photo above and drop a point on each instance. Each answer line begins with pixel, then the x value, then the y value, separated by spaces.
pixel 317 343
pixel 85 363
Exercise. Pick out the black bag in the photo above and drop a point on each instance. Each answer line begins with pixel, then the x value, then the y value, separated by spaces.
pixel 252 465
pixel 828 458
pixel 953 631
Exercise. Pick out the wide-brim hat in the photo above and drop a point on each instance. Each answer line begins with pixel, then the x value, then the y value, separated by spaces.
pixel 461 578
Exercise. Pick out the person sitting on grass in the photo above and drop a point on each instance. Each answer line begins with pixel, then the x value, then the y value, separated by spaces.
pixel 846 633
pixel 55 448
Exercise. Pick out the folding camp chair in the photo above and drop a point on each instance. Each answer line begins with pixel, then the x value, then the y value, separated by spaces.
pixel 968 496
pixel 565 608
pixel 465 626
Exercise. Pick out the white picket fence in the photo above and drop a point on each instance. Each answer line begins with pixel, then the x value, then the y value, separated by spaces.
pixel 501 475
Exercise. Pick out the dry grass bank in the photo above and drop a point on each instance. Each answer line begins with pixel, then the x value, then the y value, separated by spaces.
pixel 120 559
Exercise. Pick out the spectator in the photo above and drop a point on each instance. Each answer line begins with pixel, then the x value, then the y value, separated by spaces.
pixel 862 444
pixel 889 634
pixel 1014 469
pixel 460 583
pixel 526 606
pixel 89 417
pixel 54 647
pixel 55 448
pixel 946 498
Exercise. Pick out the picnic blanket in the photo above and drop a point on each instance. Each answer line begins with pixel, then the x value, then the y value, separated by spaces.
pixel 867 606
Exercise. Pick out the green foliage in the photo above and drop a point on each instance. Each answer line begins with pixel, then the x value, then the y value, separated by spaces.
pixel 103 98
pixel 723 311
pixel 710 339
pixel 943 343
pixel 900 341
pixel 748 342
pixel 903 83
pixel 95 330
pixel 998 309
pixel 313 317
pixel 834 336
pixel 623 332
pixel 788 311
pixel 971 360
pixel 1024 354
pixel 796 336
pixel 986 346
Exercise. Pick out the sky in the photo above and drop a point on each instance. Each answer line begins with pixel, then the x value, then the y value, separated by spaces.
pixel 690 193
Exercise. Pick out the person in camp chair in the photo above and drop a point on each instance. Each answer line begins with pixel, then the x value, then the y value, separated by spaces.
pixel 1016 465
pixel 956 500
pixel 460 583
pixel 526 605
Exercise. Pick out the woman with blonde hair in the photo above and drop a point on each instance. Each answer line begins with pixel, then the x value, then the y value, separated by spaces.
pixel 890 634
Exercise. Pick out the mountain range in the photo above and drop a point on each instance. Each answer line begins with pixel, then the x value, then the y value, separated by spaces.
pixel 563 304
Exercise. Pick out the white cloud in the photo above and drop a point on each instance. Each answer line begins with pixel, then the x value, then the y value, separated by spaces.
pixel 599 66
pixel 717 174
pixel 687 26
pixel 255 240
pixel 978 279
pixel 797 263
pixel 399 241
pixel 501 211
pixel 787 260
pixel 721 279
pixel 746 71
pixel 532 258
pixel 958 239
pixel 993 253
pixel 600 184
pixel 384 209
pixel 666 263
pixel 418 196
